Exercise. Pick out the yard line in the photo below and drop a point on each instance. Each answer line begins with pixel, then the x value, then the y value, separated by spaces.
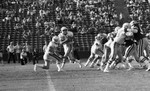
pixel 50 83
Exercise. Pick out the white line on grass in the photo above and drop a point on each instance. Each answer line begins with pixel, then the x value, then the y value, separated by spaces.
pixel 50 83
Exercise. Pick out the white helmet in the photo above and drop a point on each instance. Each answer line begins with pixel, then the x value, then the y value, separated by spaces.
pixel 98 37
pixel 109 35
pixel 55 39
pixel 133 22
pixel 126 25
pixel 63 28
pixel 116 29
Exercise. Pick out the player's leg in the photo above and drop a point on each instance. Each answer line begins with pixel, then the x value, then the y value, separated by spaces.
pixel 92 56
pixel 114 63
pixel 58 59
pixel 105 56
pixel 144 46
pixel 94 61
pixel 71 57
pixel 114 50
pixel 129 50
pixel 67 50
pixel 43 66
pixel 119 58
pixel 99 53
pixel 58 65
pixel 97 63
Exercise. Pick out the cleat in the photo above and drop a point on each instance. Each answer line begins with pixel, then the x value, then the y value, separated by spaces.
pixel 106 71
pixel 79 62
pixel 85 65
pixel 148 67
pixel 80 65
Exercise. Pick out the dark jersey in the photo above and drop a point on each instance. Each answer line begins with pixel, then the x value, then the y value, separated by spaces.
pixel 138 35
pixel 128 42
pixel 104 40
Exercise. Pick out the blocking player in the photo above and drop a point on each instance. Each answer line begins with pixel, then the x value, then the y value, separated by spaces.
pixel 117 45
pixel 96 51
pixel 142 45
pixel 107 48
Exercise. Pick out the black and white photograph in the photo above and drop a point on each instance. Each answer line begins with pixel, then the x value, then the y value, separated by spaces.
pixel 74 45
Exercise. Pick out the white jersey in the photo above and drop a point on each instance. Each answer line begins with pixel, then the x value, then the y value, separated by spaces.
pixel 108 43
pixel 51 48
pixel 120 37
pixel 63 37
pixel 97 48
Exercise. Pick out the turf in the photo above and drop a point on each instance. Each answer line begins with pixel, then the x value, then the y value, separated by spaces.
pixel 14 77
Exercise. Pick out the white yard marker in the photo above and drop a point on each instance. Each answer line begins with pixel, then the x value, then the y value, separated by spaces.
pixel 50 83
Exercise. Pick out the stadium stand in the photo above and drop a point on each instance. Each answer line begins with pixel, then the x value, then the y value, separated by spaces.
pixel 36 21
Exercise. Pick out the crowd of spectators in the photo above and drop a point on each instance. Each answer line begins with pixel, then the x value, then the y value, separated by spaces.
pixel 139 10
pixel 46 17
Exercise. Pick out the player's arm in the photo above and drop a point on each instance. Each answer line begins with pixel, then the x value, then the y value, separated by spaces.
pixel 51 50
pixel 99 49
pixel 69 39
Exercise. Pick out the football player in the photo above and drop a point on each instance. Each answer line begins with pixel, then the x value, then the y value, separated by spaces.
pixel 117 45
pixel 142 45
pixel 50 55
pixel 66 39
pixel 96 51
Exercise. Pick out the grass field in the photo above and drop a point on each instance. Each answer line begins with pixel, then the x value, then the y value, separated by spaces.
pixel 14 77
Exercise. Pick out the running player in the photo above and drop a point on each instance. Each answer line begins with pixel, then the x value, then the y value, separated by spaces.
pixel 66 39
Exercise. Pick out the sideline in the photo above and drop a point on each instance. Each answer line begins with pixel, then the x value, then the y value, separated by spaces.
pixel 50 83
